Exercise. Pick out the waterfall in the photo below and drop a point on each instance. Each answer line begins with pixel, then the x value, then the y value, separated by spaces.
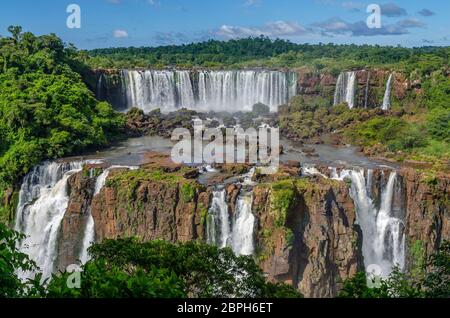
pixel 236 232
pixel 387 94
pixel 100 86
pixel 150 89
pixel 218 220
pixel 345 89
pixel 310 170
pixel 208 90
pixel 243 226
pixel 366 97
pixel 43 200
pixel 185 89
pixel 89 232
pixel 383 230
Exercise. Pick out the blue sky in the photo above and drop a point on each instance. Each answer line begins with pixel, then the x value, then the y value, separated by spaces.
pixel 106 23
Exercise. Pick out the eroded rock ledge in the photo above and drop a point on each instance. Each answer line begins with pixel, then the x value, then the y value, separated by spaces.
pixel 305 235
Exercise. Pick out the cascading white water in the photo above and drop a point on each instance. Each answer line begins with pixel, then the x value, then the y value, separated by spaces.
pixel 89 232
pixel 43 200
pixel 150 89
pixel 237 232
pixel 390 230
pixel 219 229
pixel 184 89
pixel 308 170
pixel 345 89
pixel 243 226
pixel 208 90
pixel 366 95
pixel 383 232
pixel 100 86
pixel 387 94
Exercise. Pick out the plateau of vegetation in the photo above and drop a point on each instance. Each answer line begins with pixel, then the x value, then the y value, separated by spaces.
pixel 264 52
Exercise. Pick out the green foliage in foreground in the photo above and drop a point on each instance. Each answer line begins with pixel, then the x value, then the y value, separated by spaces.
pixel 435 283
pixel 11 261
pixel 46 110
pixel 129 268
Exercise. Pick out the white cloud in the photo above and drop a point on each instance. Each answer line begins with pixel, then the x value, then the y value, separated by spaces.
pixel 392 10
pixel 252 3
pixel 271 29
pixel 411 23
pixel 120 34
pixel 426 12
pixel 336 26
pixel 353 6
pixel 150 2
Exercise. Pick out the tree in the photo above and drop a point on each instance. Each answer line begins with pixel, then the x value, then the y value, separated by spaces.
pixel 129 268
pixel 46 110
pixel 357 287
pixel 399 284
pixel 16 32
pixel 437 280
pixel 13 261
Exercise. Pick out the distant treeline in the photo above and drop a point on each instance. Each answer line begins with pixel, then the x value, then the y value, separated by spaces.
pixel 258 51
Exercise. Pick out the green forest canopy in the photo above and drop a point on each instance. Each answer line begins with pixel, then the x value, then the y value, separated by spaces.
pixel 262 51
pixel 129 268
pixel 46 110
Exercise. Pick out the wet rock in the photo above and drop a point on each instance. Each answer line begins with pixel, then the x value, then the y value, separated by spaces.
pixel 428 207
pixel 293 164
pixel 319 245
pixel 191 174
pixel 80 189
pixel 156 209
pixel 233 191
pixel 308 150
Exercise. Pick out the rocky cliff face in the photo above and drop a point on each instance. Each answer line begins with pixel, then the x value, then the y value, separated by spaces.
pixel 306 230
pixel 315 249
pixel 146 205
pixel 317 245
pixel 108 86
pixel 370 84
pixel 80 189
pixel 428 212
